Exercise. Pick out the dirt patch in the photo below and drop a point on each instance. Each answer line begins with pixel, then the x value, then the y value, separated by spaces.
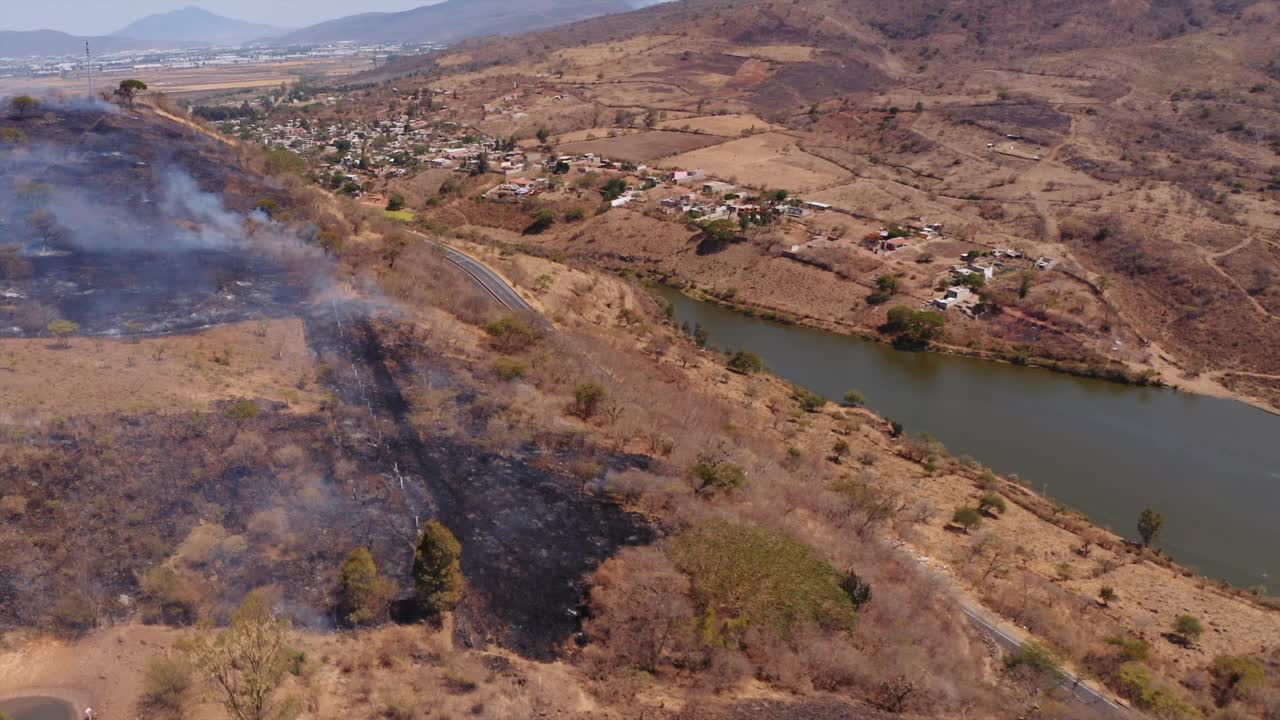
pixel 767 160
pixel 724 125
pixel 641 147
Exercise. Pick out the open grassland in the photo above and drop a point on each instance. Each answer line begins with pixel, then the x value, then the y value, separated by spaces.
pixel 641 147
pixel 40 379
pixel 724 125
pixel 766 160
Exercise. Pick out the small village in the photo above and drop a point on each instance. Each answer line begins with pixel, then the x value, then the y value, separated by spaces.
pixel 359 158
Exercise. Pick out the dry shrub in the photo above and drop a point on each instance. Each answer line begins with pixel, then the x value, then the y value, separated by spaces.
pixel 248 448
pixel 289 456
pixel 166 683
pixel 641 616
pixel 269 526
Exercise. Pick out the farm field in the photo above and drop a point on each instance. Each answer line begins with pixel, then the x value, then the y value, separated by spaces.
pixel 198 81
pixel 771 159
pixel 725 125
pixel 642 147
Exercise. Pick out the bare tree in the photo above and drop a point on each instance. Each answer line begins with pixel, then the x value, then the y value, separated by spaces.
pixel 245 662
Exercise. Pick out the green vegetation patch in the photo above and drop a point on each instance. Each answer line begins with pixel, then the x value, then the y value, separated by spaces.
pixel 759 577
pixel 400 215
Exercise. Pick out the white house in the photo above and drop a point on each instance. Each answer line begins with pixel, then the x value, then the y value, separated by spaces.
pixel 954 296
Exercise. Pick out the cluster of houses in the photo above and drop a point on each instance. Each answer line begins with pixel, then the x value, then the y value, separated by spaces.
pixel 389 148
pixel 892 239
pixel 975 269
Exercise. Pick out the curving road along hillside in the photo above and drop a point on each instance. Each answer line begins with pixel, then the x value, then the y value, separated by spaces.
pixel 486 278
pixel 1071 686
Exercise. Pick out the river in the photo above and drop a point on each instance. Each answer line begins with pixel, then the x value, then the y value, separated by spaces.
pixel 1211 466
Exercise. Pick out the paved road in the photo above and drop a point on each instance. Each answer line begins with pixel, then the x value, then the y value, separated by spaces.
pixel 505 294
pixel 1067 682
pixel 488 279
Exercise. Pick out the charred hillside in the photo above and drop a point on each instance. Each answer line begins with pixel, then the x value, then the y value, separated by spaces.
pixel 133 226
pixel 124 225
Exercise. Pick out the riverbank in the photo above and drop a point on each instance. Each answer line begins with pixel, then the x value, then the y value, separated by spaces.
pixel 1163 374
pixel 1110 450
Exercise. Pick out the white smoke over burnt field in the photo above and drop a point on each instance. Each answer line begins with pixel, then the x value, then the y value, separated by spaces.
pixel 131 227
pixel 114 233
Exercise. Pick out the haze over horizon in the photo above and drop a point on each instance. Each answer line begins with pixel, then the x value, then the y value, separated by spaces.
pixel 92 17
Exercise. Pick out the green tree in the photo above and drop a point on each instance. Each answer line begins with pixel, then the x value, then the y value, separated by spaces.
pixel 1034 656
pixel 614 188
pixel 282 161
pixel 840 450
pixel 588 397
pixel 363 593
pixel 853 398
pixel 858 590
pixel 543 135
pixel 1187 629
pixel 886 287
pixel 246 662
pixel 1234 676
pixel 992 504
pixel 541 222
pixel 1107 595
pixel 511 334
pixel 21 105
pixel 129 90
pixel 967 518
pixel 437 569
pixel 243 409
pixel 713 474
pixel 700 335
pixel 1150 523
pixel 64 329
pixel 809 400
pixel 508 368
pixel 913 330
pixel 721 231
pixel 745 362
pixel 393 246
pixel 748 576
pixel 395 203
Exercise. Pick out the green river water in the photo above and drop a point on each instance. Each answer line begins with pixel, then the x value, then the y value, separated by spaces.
pixel 1211 466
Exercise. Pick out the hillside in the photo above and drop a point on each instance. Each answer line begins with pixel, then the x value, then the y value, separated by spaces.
pixel 195 25
pixel 454 20
pixel 1134 145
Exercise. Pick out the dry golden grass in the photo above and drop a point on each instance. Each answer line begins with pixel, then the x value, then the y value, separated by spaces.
pixel 641 147
pixel 768 160
pixel 267 359
pixel 725 125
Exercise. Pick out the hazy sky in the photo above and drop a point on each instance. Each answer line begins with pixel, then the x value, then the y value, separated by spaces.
pixel 100 17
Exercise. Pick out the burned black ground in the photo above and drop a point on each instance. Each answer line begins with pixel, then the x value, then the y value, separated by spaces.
pixel 175 517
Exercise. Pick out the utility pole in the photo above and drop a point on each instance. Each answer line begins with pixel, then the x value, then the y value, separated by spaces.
pixel 88 67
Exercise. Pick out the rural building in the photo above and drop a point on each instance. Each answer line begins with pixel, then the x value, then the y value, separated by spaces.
pixel 954 296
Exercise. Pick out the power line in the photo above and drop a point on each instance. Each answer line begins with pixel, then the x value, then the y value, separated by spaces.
pixel 88 66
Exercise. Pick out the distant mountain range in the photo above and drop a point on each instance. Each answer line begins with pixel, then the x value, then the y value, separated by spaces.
pixel 196 25
pixel 15 43
pixel 455 20
pixel 444 22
